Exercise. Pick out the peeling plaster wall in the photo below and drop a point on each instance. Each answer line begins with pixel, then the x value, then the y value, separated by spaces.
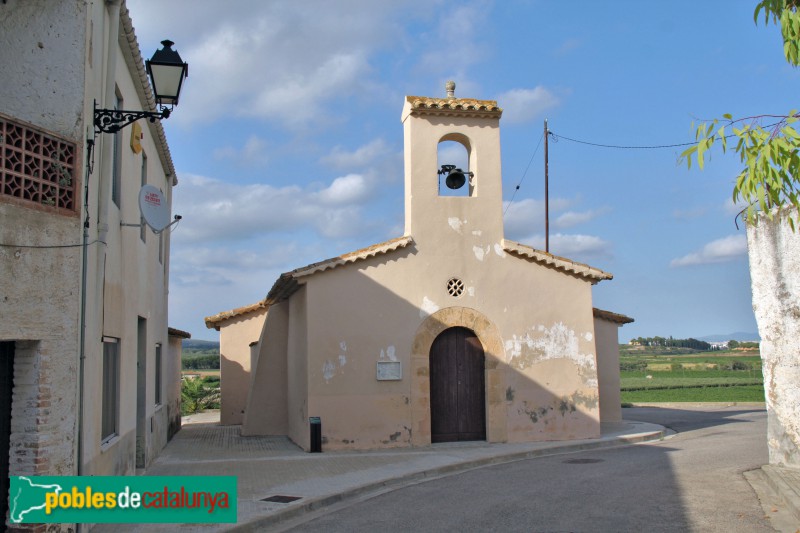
pixel 545 379
pixel 774 252
pixel 235 338
pixel 42 51
pixel 42 46
pixel 57 59
pixel 607 342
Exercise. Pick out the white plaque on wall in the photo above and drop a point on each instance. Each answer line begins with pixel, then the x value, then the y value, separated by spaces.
pixel 390 371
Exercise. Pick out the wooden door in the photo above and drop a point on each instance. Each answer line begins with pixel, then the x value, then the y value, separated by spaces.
pixel 458 411
pixel 6 388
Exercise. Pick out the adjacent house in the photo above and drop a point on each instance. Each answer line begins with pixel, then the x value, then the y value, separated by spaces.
pixel 89 372
pixel 450 332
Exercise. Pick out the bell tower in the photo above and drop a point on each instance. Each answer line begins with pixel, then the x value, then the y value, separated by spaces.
pixel 432 218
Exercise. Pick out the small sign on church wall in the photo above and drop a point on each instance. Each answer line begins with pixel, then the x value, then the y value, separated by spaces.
pixel 390 371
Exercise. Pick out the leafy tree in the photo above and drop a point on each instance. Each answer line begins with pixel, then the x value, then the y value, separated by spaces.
pixel 733 344
pixel 768 145
pixel 197 395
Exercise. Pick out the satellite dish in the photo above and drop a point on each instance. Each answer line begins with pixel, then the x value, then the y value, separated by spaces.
pixel 154 208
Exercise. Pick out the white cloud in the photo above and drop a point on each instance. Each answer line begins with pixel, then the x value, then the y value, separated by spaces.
pixel 456 44
pixel 718 251
pixel 361 157
pixel 524 217
pixel 523 105
pixel 254 151
pixel 574 245
pixel 284 61
pixel 568 46
pixel 574 218
pixel 350 189
pixel 214 210
pixel 731 208
pixel 453 153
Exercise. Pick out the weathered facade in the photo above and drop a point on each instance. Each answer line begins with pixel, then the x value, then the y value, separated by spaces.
pixel 774 251
pixel 451 332
pixel 89 370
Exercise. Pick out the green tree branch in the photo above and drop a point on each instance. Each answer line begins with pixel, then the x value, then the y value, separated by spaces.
pixel 769 154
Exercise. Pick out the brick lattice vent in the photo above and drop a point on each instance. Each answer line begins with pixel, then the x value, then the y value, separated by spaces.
pixel 36 167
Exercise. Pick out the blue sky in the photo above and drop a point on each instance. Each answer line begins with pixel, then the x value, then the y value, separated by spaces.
pixel 288 142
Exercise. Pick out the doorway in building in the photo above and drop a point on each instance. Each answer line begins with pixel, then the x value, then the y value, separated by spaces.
pixel 141 393
pixel 458 387
pixel 6 389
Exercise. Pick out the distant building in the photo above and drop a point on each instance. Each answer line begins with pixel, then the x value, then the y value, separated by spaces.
pixel 450 332
pixel 58 58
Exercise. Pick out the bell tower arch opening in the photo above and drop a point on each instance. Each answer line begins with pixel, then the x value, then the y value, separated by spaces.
pixel 453 161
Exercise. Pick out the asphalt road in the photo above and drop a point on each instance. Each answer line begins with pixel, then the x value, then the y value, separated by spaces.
pixel 690 482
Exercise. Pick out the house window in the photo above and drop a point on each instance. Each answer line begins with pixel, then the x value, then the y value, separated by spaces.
pixel 36 167
pixel 110 420
pixel 116 168
pixel 143 225
pixel 158 373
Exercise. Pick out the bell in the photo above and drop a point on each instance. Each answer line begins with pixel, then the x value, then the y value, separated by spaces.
pixel 455 179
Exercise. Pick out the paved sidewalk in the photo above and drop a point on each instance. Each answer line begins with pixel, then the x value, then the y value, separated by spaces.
pixel 274 466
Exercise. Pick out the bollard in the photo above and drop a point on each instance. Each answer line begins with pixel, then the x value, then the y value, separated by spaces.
pixel 316 434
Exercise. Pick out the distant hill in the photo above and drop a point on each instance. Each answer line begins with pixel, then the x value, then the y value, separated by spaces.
pixel 740 336
pixel 198 345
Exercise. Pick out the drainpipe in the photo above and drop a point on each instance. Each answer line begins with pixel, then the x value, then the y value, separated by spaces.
pixel 108 87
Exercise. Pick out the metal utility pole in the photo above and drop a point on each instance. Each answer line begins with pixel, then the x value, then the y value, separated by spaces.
pixel 546 195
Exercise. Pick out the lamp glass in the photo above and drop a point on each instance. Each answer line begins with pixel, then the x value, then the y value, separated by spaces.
pixel 167 80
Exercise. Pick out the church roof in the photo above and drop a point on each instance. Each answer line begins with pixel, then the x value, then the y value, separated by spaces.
pixel 611 317
pixel 288 282
pixel 562 264
pixel 454 106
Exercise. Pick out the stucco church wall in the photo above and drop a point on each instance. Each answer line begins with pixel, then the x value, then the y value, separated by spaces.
pixel 607 342
pixel 234 351
pixel 267 402
pixel 297 370
pixel 548 368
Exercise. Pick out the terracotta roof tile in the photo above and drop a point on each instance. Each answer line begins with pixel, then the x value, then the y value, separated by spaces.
pixel 611 317
pixel 454 106
pixel 215 320
pixel 172 332
pixel 562 264
pixel 287 283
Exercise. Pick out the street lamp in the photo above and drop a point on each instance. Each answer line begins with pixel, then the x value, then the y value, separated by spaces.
pixel 167 72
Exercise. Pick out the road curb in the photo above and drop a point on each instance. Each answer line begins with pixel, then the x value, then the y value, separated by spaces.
pixel 315 504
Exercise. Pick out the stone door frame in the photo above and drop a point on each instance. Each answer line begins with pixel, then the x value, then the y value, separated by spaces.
pixel 489 335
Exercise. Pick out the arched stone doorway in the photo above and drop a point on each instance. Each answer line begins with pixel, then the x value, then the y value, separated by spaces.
pixel 494 371
pixel 458 388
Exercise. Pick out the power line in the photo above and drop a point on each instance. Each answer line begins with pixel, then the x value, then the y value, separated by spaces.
pixel 620 147
pixel 50 246
pixel 524 174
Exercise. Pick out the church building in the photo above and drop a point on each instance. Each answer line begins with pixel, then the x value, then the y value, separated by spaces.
pixel 449 332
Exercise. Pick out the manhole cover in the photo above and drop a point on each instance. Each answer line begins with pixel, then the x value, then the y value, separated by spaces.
pixel 281 499
pixel 582 461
